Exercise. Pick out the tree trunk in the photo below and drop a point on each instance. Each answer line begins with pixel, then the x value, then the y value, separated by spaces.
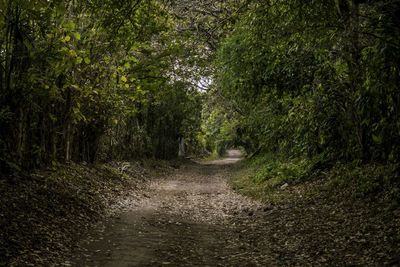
pixel 68 142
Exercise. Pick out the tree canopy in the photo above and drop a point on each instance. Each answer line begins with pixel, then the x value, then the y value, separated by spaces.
pixel 314 78
pixel 92 80
pixel 102 80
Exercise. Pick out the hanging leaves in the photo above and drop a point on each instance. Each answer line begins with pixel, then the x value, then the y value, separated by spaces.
pixel 79 67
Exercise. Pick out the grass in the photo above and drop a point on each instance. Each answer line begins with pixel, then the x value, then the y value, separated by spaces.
pixel 265 177
pixel 262 178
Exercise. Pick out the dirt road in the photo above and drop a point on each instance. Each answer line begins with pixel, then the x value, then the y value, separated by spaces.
pixel 193 218
pixel 182 220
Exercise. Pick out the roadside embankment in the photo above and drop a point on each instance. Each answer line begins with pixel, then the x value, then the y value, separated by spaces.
pixel 44 214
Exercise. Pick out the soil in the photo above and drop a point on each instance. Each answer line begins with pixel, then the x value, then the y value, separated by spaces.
pixel 194 218
pixel 184 220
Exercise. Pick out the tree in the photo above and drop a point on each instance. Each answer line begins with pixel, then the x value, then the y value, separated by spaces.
pixel 86 81
pixel 314 78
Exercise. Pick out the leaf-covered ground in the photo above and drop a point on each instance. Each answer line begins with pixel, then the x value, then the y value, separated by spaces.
pixel 188 215
pixel 194 218
pixel 43 215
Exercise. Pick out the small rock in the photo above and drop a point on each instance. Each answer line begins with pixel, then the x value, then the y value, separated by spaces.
pixel 284 186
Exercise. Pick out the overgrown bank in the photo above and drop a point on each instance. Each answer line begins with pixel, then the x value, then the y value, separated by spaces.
pixel 310 89
pixel 43 215
pixel 314 82
pixel 263 175
pixel 347 215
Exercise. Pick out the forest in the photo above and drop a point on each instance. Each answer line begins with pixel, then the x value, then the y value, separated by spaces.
pixel 306 90
pixel 107 80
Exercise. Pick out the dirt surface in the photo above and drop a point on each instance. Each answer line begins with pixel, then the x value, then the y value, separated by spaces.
pixel 183 220
pixel 193 218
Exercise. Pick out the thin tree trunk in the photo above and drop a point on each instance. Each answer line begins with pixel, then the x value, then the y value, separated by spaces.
pixel 68 143
pixel 20 136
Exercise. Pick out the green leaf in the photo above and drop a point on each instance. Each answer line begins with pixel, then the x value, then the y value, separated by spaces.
pixel 77 36
pixel 69 26
pixel 73 53
pixel 377 139
pixel 60 9
pixel 87 60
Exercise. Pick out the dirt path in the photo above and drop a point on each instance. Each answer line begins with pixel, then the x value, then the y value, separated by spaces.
pixel 182 220
pixel 193 218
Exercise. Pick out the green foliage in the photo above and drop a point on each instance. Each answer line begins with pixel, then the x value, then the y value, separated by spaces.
pixel 90 81
pixel 313 83
pixel 307 79
pixel 271 178
pixel 218 131
pixel 273 172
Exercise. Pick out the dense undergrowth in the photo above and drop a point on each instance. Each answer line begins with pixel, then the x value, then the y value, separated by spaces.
pixel 267 176
pixel 264 175
pixel 316 85
pixel 42 215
